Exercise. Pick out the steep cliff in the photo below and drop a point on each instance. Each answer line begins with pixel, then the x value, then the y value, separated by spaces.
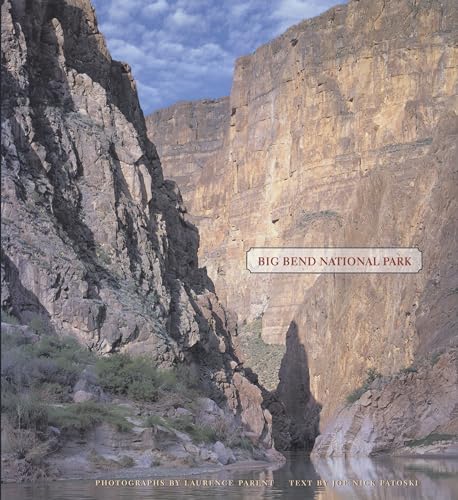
pixel 95 243
pixel 413 412
pixel 342 132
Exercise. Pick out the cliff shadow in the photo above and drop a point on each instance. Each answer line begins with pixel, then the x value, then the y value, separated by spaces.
pixel 294 392
pixel 21 301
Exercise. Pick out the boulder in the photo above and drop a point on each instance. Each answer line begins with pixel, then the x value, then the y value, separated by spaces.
pixel 225 455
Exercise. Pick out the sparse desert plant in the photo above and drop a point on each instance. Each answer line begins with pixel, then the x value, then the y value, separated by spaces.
pixel 17 441
pixel 139 379
pixel 84 416
pixel 187 377
pixel 51 360
pixel 430 439
pixel 24 410
pixel 153 420
pixel 126 461
pixel 39 324
pixel 371 375
pixel 135 377
pixel 199 433
pixel 356 394
pixel 9 318
pixel 409 369
pixel 435 357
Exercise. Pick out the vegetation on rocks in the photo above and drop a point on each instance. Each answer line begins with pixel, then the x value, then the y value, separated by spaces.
pixel 138 378
pixel 372 374
pixel 40 379
pixel 430 439
pixel 83 416
pixel 39 374
pixel 264 359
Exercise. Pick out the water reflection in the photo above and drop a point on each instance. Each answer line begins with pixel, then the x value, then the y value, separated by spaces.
pixel 299 478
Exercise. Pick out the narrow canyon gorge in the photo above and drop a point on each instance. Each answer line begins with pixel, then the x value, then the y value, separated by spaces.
pixel 342 132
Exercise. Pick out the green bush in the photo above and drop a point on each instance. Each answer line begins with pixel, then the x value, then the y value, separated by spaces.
pixel 51 360
pixel 66 351
pixel 356 394
pixel 136 378
pixel 153 420
pixel 84 416
pixel 371 375
pixel 187 380
pixel 240 442
pixel 39 324
pixel 24 410
pixel 409 369
pixel 199 433
pixel 430 439
pixel 54 392
pixel 126 461
pixel 9 318
pixel 139 379
pixel 434 358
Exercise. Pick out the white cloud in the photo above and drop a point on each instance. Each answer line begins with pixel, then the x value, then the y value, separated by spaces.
pixel 185 49
pixel 290 12
pixel 181 18
pixel 155 8
pixel 109 29
pixel 121 10
pixel 127 52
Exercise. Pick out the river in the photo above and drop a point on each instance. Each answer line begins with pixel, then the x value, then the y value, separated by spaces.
pixel 298 478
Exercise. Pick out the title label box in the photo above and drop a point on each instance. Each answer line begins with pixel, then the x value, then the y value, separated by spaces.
pixel 334 260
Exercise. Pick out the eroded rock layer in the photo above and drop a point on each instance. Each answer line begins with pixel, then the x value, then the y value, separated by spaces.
pixel 342 132
pixel 95 243
pixel 412 412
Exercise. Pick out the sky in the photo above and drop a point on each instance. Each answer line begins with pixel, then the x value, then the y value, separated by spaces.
pixel 185 49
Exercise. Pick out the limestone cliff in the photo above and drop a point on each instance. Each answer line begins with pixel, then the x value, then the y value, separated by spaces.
pixel 95 243
pixel 342 132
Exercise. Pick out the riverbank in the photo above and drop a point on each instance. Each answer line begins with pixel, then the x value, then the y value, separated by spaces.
pixel 152 473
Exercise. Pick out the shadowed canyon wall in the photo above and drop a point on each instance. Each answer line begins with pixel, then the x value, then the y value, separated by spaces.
pixel 340 132
pixel 95 243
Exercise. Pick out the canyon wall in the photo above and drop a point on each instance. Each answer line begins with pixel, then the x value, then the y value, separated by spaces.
pixel 95 243
pixel 341 132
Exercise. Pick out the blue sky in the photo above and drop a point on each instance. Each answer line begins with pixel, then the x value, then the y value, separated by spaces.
pixel 185 49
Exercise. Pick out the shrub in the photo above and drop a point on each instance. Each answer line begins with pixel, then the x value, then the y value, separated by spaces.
pixel 39 324
pixel 54 392
pixel 187 381
pixel 371 375
pixel 430 439
pixel 83 416
pixel 409 369
pixel 240 442
pixel 153 420
pixel 9 318
pixel 51 360
pixel 65 350
pixel 18 441
pixel 435 357
pixel 24 410
pixel 199 433
pixel 136 378
pixel 126 461
pixel 356 394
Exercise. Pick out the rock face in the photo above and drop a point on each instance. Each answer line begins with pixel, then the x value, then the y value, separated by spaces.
pixel 95 243
pixel 343 132
pixel 413 412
